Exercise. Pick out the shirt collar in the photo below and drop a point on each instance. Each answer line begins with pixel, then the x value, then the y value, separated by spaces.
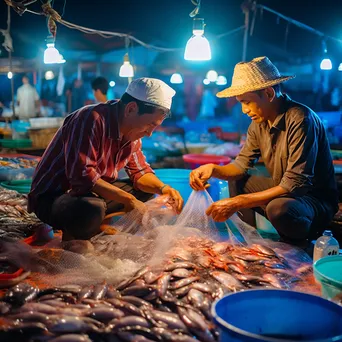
pixel 279 122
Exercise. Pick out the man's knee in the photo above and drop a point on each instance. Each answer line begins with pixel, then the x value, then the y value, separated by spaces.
pixel 286 218
pixel 81 217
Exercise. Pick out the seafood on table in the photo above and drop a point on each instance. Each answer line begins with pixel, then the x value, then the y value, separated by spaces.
pixel 18 163
pixel 170 301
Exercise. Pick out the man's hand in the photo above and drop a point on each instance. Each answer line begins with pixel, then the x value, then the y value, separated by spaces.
pixel 221 210
pixel 200 176
pixel 176 200
pixel 133 203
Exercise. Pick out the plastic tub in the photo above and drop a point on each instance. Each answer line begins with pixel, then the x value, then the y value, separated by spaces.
pixel 196 160
pixel 277 316
pixel 179 179
pixel 328 273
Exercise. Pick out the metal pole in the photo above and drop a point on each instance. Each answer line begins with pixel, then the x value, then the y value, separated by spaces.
pixel 12 82
pixel 246 10
pixel 245 37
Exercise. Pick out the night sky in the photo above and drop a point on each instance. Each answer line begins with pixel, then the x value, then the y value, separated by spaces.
pixel 168 23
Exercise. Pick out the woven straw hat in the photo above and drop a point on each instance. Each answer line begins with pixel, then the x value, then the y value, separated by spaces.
pixel 257 74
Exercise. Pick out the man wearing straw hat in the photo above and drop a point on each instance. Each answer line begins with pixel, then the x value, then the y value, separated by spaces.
pixel 300 196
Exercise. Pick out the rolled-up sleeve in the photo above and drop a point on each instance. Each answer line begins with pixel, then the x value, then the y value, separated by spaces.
pixel 137 165
pixel 249 153
pixel 303 147
pixel 81 148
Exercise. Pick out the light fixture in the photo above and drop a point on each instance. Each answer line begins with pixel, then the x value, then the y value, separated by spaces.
pixel 126 69
pixel 198 47
pixel 221 80
pixel 206 81
pixel 340 67
pixel 176 78
pixel 51 54
pixel 9 75
pixel 112 83
pixel 49 75
pixel 326 64
pixel 212 75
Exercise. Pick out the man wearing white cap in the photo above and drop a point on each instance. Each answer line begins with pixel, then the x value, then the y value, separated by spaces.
pixel 74 186
pixel 300 196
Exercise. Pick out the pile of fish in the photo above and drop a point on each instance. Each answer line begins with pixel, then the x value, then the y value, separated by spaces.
pixel 170 301
pixel 15 221
pixel 18 163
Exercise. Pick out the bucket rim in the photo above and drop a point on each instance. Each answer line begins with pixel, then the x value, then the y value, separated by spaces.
pixel 324 260
pixel 240 331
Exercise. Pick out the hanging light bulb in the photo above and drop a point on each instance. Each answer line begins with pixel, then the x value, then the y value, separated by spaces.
pixel 198 47
pixel 51 54
pixel 176 78
pixel 340 67
pixel 112 83
pixel 212 75
pixel 326 64
pixel 9 75
pixel 49 75
pixel 126 69
pixel 221 80
pixel 206 81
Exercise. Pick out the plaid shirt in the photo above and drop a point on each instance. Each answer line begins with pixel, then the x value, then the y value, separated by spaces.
pixel 87 147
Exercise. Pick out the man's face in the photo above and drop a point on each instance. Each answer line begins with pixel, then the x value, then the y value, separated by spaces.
pixel 141 125
pixel 25 80
pixel 255 105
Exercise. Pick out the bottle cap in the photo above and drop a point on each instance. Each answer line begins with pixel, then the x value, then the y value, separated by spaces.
pixel 327 233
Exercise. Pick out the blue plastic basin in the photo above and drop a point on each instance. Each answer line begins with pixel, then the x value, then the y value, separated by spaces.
pixel 277 316
pixel 179 179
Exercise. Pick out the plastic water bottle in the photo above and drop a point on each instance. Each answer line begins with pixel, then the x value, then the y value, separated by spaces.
pixel 326 245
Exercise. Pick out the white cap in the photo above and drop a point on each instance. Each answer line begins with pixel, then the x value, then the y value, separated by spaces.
pixel 151 90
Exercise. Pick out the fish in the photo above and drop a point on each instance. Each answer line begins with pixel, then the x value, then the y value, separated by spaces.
pixel 227 280
pixel 20 294
pixel 71 338
pixel 186 265
pixel 99 291
pixel 129 321
pixel 183 282
pixel 105 314
pixel 181 273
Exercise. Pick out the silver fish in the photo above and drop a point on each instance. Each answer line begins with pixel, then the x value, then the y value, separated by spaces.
pixel 163 283
pixel 172 320
pixel 181 273
pixel 38 307
pixel 100 291
pixel 227 280
pixel 139 291
pixel 183 282
pixel 105 314
pixel 173 266
pixel 130 321
pixel 139 302
pixel 71 338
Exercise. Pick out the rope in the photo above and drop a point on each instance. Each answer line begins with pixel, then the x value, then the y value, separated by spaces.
pixel 110 34
pixel 298 24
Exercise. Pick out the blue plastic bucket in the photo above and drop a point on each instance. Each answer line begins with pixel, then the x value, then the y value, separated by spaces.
pixel 277 316
pixel 179 179
pixel 328 272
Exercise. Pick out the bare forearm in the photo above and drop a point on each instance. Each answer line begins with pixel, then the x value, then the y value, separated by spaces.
pixel 111 192
pixel 227 172
pixel 150 183
pixel 260 198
